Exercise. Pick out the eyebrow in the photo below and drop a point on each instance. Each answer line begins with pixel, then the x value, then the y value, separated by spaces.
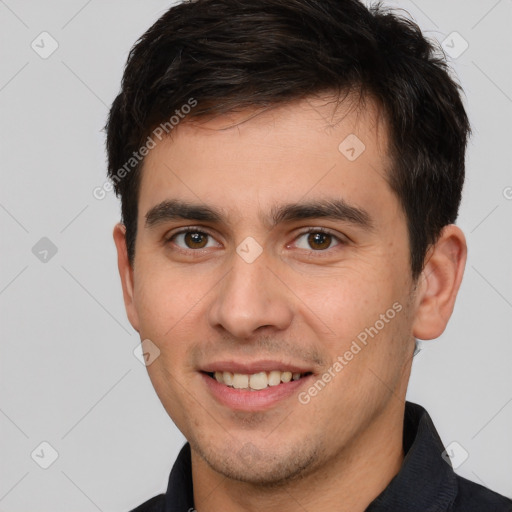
pixel 332 209
pixel 175 209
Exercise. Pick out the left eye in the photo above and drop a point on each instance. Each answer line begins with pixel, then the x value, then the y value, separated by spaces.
pixel 193 240
pixel 316 240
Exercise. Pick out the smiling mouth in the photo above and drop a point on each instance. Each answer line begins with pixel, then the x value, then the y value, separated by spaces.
pixel 255 381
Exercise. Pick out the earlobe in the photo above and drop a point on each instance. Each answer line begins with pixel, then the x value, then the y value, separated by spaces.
pixel 439 283
pixel 126 274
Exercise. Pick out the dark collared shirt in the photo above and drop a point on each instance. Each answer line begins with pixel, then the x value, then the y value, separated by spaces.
pixel 426 482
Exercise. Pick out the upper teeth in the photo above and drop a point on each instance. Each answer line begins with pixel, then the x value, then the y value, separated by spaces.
pixel 255 381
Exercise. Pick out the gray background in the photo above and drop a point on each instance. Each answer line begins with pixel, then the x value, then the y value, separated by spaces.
pixel 68 373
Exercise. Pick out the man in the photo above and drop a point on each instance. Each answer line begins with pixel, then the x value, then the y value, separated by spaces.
pixel 290 172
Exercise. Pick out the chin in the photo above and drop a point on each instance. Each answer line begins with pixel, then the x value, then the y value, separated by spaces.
pixel 252 465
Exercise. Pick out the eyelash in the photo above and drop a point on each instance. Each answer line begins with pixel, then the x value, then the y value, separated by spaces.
pixel 192 229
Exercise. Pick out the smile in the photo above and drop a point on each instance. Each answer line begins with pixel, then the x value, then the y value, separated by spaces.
pixel 255 381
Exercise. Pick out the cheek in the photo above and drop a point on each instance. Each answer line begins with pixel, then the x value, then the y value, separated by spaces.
pixel 155 307
pixel 347 302
pixel 164 299
pixel 171 306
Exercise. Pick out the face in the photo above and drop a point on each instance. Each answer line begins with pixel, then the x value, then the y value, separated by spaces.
pixel 271 247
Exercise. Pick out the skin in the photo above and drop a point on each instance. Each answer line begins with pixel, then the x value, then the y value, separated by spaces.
pixel 296 302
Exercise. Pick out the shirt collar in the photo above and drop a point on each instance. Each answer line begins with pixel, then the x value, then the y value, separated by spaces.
pixel 425 482
pixel 179 496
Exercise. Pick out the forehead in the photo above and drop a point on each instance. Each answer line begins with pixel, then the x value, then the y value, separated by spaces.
pixel 307 149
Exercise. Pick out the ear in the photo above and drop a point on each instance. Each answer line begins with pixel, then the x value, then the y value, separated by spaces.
pixel 126 274
pixel 439 283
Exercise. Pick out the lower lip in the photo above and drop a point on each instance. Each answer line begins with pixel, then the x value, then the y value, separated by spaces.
pixel 245 400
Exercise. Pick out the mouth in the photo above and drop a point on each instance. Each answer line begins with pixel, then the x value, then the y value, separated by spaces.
pixel 253 387
pixel 256 381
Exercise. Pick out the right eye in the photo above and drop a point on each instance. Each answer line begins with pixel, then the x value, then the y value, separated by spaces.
pixel 193 239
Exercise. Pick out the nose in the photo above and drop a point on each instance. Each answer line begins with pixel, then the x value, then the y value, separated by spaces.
pixel 250 297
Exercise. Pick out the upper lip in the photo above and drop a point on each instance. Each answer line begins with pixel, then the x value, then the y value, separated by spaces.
pixel 254 367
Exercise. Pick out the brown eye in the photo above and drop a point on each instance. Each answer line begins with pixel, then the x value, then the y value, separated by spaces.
pixel 319 241
pixel 195 240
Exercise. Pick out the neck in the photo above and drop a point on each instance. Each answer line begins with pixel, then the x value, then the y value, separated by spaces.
pixel 348 481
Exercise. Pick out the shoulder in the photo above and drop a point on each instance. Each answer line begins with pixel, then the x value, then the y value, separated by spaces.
pixel 475 497
pixel 155 504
